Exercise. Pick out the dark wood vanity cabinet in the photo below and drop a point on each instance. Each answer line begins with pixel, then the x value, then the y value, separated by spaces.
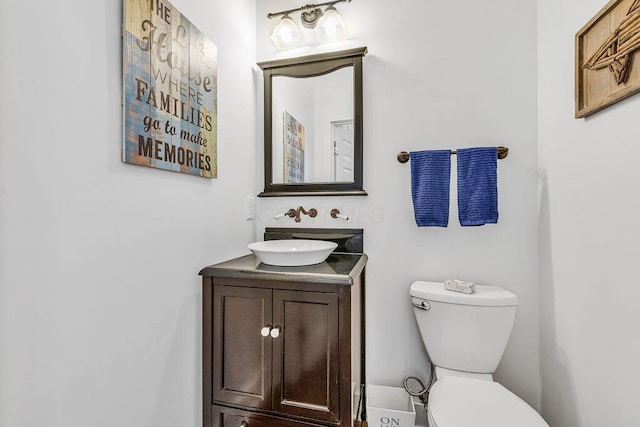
pixel 295 372
pixel 282 347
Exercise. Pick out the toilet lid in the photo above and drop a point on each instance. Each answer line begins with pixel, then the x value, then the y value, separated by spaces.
pixel 484 295
pixel 466 402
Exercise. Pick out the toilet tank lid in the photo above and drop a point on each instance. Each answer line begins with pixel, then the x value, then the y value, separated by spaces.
pixel 485 295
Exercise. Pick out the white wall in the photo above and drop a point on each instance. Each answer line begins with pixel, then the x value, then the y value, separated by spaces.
pixel 99 294
pixel 438 75
pixel 589 236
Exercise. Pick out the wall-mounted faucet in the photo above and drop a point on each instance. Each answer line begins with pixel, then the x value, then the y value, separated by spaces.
pixel 295 213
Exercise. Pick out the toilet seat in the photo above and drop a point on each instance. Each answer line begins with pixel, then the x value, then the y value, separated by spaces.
pixel 466 402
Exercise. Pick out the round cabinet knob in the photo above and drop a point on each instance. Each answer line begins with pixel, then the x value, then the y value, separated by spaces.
pixel 275 332
pixel 244 424
pixel 265 332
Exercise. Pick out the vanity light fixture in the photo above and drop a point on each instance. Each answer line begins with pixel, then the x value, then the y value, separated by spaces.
pixel 328 25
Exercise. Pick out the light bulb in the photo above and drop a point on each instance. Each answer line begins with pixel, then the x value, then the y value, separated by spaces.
pixel 330 26
pixel 286 34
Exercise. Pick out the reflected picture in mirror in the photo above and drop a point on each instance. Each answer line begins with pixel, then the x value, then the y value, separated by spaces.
pixel 293 148
pixel 312 129
pixel 313 124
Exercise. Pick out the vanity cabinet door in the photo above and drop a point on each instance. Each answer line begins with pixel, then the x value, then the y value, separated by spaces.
pixel 241 355
pixel 305 354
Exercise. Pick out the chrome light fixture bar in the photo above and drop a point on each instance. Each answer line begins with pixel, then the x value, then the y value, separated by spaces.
pixel 328 25
pixel 311 13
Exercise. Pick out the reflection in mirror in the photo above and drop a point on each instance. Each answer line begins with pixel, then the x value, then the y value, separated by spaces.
pixel 312 128
pixel 313 124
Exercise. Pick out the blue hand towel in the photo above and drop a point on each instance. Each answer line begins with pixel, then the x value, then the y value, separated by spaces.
pixel 430 177
pixel 478 186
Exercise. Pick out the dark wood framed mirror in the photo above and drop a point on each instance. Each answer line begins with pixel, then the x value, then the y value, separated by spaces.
pixel 313 125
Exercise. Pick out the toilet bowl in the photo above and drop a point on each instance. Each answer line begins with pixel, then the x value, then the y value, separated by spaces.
pixel 466 402
pixel 465 336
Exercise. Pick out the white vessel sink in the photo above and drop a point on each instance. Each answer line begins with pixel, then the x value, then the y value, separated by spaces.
pixel 292 253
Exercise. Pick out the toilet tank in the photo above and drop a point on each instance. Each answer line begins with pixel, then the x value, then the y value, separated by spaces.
pixel 464 332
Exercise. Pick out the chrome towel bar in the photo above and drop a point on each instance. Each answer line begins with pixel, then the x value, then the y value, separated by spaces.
pixel 403 156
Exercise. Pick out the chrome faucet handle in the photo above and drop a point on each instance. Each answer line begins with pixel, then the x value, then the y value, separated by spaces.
pixel 335 213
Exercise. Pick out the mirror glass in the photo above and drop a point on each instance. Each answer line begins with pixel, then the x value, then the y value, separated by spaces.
pixel 312 128
pixel 313 124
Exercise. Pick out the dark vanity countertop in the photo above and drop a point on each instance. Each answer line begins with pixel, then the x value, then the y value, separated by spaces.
pixel 338 269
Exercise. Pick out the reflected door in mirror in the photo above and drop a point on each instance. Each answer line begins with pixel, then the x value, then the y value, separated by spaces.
pixel 342 139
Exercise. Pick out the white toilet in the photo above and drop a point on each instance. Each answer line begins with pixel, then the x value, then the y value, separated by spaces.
pixel 465 336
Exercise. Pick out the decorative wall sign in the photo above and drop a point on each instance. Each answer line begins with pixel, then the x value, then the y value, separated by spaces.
pixel 170 90
pixel 608 57
pixel 293 150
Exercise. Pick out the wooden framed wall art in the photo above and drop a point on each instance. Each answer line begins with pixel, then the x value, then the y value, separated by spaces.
pixel 169 90
pixel 608 57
